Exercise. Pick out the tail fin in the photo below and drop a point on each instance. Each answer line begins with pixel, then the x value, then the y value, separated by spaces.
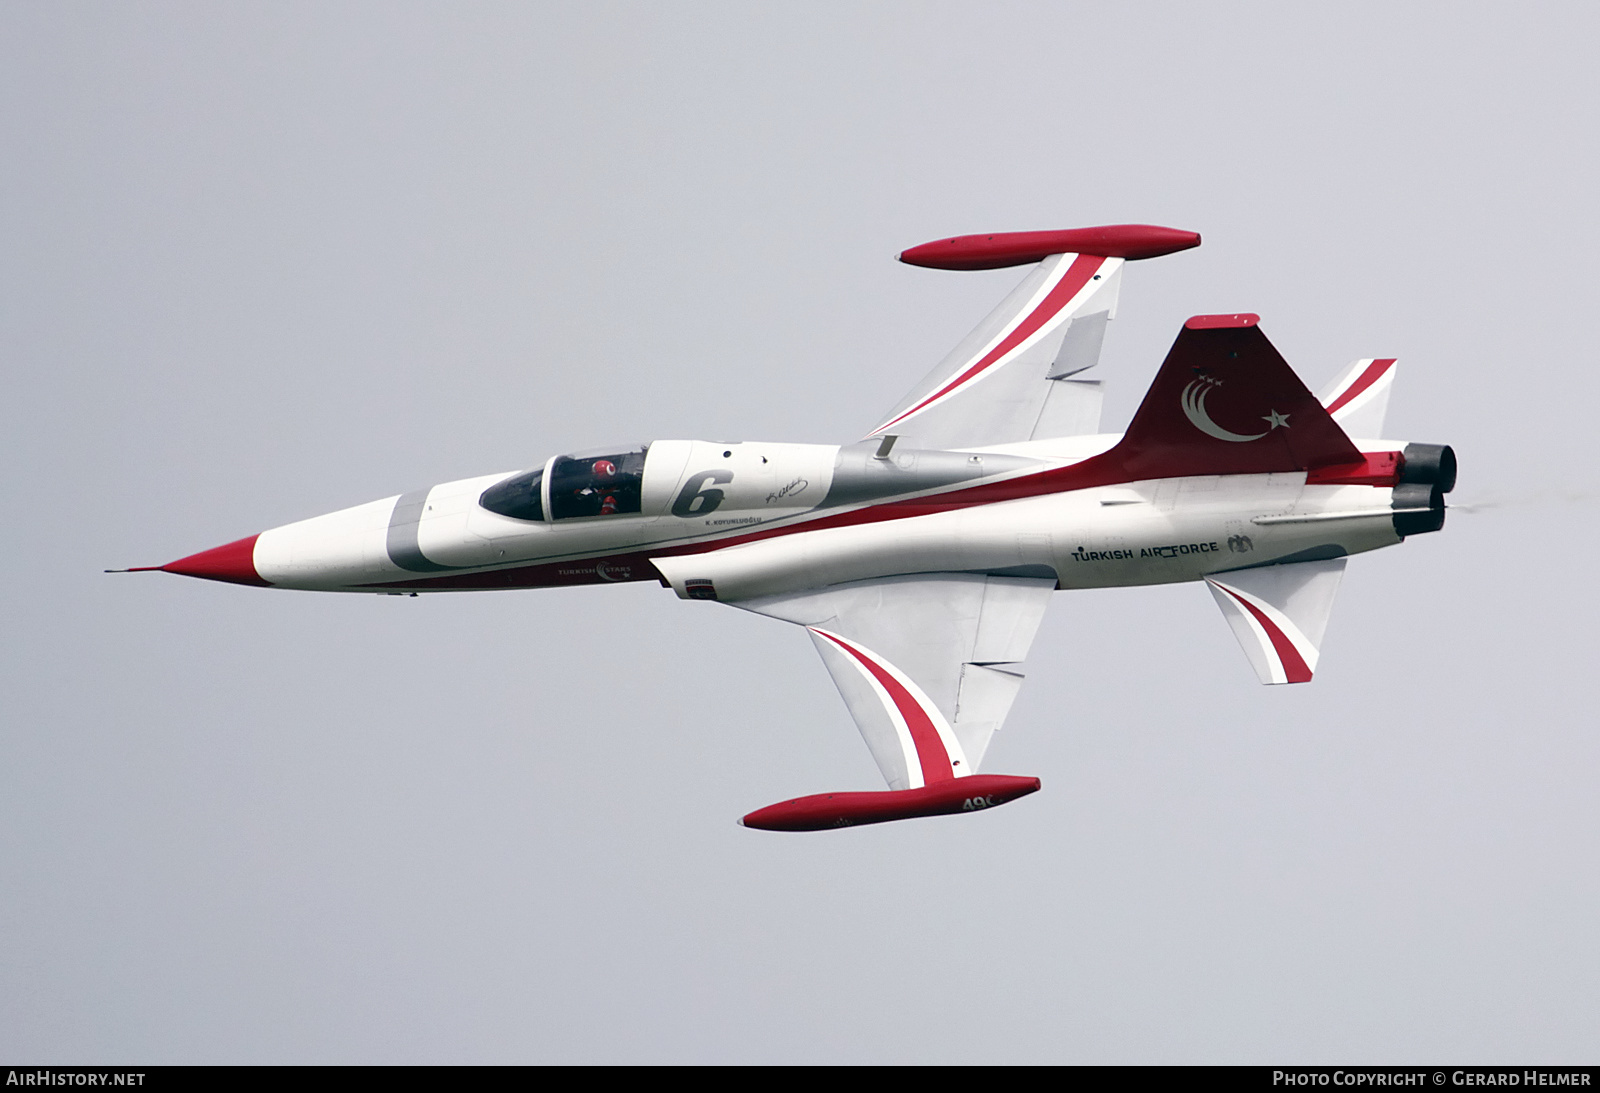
pixel 1225 402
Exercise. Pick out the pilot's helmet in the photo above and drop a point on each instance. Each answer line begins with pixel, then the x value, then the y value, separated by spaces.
pixel 604 468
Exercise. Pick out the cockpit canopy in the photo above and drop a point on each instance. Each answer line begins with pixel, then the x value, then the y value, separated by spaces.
pixel 605 482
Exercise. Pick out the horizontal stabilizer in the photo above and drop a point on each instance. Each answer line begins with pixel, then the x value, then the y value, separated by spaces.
pixel 1279 614
pixel 822 811
pixel 1359 398
pixel 1225 402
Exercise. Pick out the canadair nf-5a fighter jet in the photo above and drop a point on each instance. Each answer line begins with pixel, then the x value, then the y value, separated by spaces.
pixel 920 559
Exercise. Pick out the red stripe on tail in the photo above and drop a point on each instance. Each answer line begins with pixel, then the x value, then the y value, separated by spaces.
pixel 1369 375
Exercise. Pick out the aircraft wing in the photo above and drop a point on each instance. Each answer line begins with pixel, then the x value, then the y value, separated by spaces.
pixel 928 664
pixel 1021 374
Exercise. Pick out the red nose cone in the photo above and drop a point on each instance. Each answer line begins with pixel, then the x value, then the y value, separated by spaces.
pixel 234 563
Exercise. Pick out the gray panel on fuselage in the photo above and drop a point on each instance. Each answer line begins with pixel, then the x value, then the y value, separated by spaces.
pixel 859 475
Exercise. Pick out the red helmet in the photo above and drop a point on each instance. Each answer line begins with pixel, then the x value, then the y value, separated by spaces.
pixel 605 468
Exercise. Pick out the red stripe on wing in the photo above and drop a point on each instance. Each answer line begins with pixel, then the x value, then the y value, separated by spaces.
pixel 1078 274
pixel 931 753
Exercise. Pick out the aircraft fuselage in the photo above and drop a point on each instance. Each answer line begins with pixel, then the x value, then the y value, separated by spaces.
pixel 718 520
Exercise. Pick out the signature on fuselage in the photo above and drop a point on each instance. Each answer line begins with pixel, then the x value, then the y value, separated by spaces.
pixel 798 486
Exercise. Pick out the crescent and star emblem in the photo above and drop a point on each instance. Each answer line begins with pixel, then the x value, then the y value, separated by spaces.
pixel 1194 408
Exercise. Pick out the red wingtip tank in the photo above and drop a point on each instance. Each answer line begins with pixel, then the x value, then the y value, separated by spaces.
pixel 826 810
pixel 1002 249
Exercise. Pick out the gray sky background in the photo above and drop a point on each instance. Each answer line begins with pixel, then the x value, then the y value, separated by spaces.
pixel 265 261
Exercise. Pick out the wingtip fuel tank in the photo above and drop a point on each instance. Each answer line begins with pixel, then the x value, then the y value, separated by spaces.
pixel 1001 249
pixel 822 811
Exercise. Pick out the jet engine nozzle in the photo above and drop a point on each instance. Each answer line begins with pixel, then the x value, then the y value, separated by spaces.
pixel 1429 464
pixel 1418 508
pixel 1427 473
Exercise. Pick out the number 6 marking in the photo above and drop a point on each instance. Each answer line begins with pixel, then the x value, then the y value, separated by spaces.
pixel 695 501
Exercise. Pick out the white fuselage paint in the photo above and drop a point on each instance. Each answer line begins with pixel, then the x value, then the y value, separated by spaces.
pixel 1144 532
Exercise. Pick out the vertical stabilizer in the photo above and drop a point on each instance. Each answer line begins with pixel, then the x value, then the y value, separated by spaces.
pixel 1226 402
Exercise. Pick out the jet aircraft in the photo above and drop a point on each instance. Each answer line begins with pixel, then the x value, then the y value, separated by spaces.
pixel 920 559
